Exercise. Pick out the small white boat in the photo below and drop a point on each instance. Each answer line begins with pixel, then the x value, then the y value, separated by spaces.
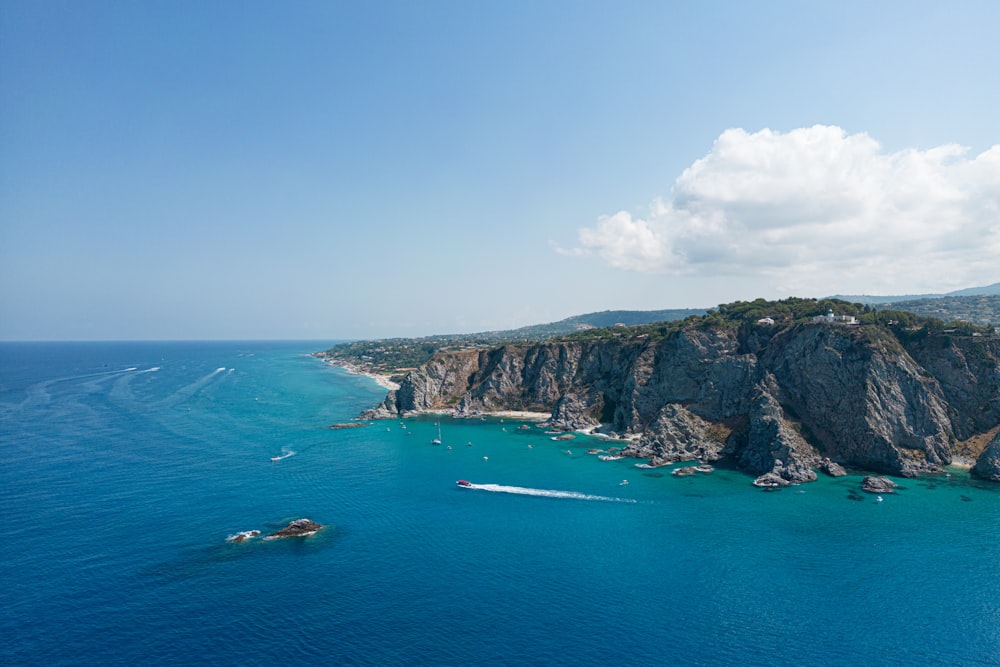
pixel 437 440
pixel 878 499
pixel 623 482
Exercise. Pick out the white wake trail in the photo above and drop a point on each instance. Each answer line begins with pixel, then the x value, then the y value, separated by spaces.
pixel 546 493
pixel 187 392
pixel 285 453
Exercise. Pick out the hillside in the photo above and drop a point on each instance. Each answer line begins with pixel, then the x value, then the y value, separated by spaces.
pixel 993 289
pixel 981 309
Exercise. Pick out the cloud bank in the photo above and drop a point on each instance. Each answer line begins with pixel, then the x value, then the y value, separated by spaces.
pixel 816 210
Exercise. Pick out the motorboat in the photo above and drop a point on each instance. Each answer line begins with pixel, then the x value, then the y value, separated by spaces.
pixel 464 483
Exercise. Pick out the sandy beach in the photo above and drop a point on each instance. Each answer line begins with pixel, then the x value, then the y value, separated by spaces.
pixel 522 415
pixel 381 380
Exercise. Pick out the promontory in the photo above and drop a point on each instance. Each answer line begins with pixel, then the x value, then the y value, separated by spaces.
pixel 777 388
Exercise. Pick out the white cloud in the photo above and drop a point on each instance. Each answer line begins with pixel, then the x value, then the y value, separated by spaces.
pixel 816 210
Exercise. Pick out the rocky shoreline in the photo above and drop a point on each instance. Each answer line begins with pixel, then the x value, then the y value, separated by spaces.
pixel 780 404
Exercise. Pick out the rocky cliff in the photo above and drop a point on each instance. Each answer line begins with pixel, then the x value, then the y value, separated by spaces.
pixel 772 400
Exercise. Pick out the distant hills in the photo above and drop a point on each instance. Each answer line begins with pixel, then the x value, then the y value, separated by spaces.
pixel 982 309
pixel 870 299
pixel 607 318
pixel 979 305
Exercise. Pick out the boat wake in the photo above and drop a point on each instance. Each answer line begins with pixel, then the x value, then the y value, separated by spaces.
pixel 189 391
pixel 545 493
pixel 285 453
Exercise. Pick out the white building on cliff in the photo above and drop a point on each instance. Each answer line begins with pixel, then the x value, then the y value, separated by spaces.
pixel 838 319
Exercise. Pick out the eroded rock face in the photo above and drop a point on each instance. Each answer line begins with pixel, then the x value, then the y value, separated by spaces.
pixel 968 370
pixel 862 397
pixel 773 445
pixel 831 468
pixel 988 465
pixel 777 405
pixel 677 434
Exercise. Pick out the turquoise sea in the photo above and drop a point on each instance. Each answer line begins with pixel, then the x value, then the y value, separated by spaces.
pixel 124 467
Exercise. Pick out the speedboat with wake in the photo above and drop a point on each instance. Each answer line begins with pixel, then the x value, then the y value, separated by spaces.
pixel 464 483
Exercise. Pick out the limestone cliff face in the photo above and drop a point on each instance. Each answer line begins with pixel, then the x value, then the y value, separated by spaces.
pixel 988 465
pixel 863 399
pixel 968 370
pixel 774 402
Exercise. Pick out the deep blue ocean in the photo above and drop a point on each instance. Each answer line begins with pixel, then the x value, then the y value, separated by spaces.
pixel 124 467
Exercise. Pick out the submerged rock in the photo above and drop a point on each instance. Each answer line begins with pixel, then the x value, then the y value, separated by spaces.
pixel 335 427
pixel 298 528
pixel 873 484
pixel 243 536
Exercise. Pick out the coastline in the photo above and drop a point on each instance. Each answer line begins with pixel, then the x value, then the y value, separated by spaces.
pixel 962 463
pixel 959 463
pixel 382 380
pixel 522 415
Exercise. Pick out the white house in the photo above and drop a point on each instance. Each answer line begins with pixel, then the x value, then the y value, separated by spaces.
pixel 831 318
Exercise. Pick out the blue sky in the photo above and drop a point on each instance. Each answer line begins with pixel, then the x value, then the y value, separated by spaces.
pixel 327 170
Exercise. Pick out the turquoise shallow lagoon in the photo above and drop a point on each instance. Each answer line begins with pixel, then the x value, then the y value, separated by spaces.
pixel 124 467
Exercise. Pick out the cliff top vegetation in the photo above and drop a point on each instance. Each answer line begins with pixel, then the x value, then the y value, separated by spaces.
pixel 966 315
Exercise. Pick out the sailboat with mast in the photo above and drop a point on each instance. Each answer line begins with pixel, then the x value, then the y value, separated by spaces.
pixel 437 440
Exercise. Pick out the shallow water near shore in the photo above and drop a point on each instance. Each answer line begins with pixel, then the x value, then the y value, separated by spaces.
pixel 124 468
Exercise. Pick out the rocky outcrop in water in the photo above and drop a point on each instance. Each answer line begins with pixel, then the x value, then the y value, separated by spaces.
pixel 243 536
pixel 878 485
pixel 776 402
pixel 297 528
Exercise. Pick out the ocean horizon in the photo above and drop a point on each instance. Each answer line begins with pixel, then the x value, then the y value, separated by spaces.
pixel 126 468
